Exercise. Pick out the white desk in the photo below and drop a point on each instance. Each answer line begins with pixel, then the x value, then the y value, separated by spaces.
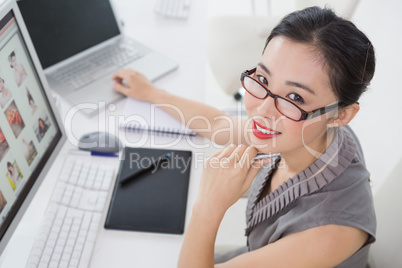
pixel 181 40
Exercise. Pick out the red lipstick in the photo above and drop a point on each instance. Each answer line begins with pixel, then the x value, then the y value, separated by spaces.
pixel 263 132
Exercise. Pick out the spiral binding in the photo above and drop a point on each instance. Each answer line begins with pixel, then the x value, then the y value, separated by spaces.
pixel 160 131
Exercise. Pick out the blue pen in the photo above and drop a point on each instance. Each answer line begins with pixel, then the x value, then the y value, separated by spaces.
pixel 80 152
pixel 104 154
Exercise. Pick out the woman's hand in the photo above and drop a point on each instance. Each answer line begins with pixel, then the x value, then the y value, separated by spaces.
pixel 133 85
pixel 227 175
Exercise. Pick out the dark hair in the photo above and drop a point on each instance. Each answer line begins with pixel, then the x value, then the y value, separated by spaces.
pixel 29 96
pixel 42 130
pixel 12 54
pixel 346 52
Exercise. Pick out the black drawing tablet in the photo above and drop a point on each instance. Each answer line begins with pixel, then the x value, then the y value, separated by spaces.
pixel 155 201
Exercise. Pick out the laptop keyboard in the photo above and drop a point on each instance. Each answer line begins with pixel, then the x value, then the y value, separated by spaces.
pixel 73 217
pixel 97 65
pixel 178 9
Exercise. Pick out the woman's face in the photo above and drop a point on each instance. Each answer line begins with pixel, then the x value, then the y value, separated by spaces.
pixel 10 169
pixel 295 72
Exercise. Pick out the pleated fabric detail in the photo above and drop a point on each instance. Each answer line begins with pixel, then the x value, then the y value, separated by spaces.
pixel 323 171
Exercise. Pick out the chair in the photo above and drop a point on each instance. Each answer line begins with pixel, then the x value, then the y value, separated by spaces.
pixel 235 43
pixel 386 251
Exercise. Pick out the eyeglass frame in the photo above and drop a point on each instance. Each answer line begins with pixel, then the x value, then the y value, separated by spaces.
pixel 304 115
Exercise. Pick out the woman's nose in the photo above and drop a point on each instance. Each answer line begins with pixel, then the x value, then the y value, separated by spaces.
pixel 267 107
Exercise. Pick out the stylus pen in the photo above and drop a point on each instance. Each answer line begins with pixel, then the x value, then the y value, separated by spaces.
pixel 262 156
pixel 140 172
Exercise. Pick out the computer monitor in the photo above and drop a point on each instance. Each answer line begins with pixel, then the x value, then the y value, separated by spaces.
pixel 31 133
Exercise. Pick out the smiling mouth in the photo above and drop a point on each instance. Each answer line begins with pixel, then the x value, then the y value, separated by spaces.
pixel 265 130
pixel 262 132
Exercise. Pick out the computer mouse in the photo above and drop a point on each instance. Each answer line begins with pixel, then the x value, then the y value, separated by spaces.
pixel 101 142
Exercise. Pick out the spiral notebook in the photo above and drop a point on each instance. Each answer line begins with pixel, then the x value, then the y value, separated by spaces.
pixel 144 116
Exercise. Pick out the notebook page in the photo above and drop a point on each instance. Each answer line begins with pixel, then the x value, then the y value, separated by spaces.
pixel 146 116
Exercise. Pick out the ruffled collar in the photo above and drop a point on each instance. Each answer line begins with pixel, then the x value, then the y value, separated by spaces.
pixel 321 172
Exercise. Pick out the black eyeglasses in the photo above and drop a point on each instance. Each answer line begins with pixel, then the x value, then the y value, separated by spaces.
pixel 284 106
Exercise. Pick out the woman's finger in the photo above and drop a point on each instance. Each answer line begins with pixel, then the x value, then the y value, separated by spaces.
pixel 121 74
pixel 226 152
pixel 248 156
pixel 120 88
pixel 237 153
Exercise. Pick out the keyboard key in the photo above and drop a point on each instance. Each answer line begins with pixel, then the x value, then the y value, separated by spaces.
pixel 179 9
pixel 98 64
pixel 63 264
pixel 72 219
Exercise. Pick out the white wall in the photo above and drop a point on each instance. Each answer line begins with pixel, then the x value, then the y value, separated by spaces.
pixel 378 124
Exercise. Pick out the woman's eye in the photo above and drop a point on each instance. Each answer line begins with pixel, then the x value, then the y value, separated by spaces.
pixel 295 98
pixel 262 79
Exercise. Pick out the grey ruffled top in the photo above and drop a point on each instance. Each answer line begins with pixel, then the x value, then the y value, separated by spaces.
pixel 335 189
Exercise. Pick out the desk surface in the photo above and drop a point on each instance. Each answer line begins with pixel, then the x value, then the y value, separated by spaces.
pixel 182 40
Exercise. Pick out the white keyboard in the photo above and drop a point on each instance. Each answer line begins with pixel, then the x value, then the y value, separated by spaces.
pixel 97 64
pixel 179 9
pixel 73 217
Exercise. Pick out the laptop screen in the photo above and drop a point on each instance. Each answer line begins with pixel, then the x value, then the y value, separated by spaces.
pixel 28 129
pixel 60 29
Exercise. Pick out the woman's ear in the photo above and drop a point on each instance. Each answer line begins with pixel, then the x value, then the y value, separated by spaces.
pixel 345 115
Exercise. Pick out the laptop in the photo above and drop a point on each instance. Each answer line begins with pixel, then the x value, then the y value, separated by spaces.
pixel 80 45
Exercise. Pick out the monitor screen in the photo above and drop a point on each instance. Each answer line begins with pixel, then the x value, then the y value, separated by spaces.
pixel 29 131
pixel 60 29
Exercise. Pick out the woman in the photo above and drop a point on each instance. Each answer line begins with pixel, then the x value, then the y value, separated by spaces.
pixel 312 205
pixel 5 94
pixel 14 175
pixel 31 102
pixel 19 70
pixel 43 127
